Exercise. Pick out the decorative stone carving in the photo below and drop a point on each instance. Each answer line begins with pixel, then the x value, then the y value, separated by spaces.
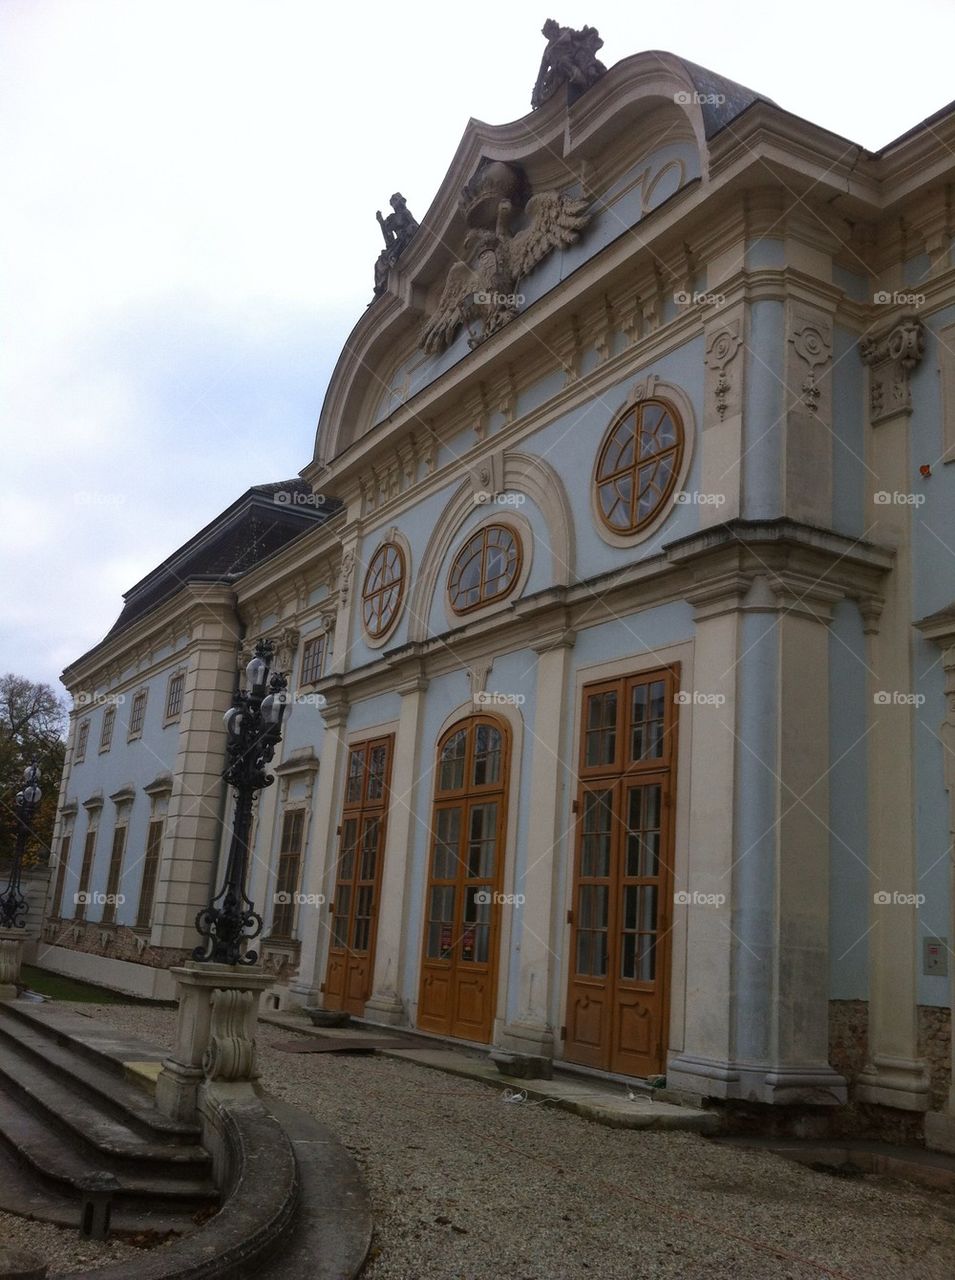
pixel 284 644
pixel 813 345
pixel 478 673
pixel 891 357
pixel 345 576
pixel 721 350
pixel 481 290
pixel 398 230
pixel 231 1051
pixel 569 59
pixel 487 478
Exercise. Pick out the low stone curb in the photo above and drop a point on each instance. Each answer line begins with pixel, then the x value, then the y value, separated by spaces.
pixel 332 1232
pixel 256 1217
pixel 589 1102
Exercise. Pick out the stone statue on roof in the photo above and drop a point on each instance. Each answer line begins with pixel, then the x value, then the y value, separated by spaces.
pixel 398 230
pixel 569 59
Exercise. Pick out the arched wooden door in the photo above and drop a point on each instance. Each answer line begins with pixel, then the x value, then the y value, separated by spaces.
pixel 361 850
pixel 466 864
pixel 617 1004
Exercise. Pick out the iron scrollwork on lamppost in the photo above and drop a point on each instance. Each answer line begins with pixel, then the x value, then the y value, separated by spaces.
pixel 254 725
pixel 13 905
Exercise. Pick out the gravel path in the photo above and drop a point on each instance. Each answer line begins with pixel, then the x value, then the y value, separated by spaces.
pixel 466 1187
pixel 60 1249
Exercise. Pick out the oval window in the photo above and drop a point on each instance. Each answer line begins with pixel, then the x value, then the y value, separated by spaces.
pixel 638 465
pixel 485 568
pixel 383 589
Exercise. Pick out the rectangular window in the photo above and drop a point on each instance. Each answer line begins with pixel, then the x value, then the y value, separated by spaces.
pixel 106 737
pixel 89 848
pixel 174 695
pixel 138 714
pixel 57 906
pixel 82 738
pixel 290 864
pixel 313 654
pixel 115 871
pixel 147 893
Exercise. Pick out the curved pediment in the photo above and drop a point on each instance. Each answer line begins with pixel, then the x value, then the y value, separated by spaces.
pixel 522 206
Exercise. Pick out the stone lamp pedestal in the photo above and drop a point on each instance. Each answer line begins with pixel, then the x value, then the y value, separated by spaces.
pixel 11 957
pixel 215 1037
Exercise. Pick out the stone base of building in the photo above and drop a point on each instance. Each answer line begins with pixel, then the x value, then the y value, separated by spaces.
pixel 122 959
pixel 812 1084
pixel 143 980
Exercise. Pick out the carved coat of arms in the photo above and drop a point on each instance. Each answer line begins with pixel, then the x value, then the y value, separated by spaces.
pixel 483 289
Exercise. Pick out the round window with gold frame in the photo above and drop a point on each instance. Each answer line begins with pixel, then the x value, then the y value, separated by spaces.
pixel 638 465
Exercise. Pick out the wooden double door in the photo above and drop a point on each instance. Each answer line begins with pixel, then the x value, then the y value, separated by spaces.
pixel 361 850
pixel 459 967
pixel 617 1006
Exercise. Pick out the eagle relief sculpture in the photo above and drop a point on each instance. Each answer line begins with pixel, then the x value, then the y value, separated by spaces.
pixel 482 289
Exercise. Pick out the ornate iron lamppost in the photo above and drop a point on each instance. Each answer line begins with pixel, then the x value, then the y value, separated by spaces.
pixel 13 905
pixel 254 724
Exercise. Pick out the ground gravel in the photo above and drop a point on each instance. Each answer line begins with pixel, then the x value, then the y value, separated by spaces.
pixel 63 1250
pixel 467 1187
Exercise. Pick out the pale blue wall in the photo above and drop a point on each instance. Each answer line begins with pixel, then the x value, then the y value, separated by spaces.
pixel 570 445
pixel 752 890
pixel 417 524
pixel 763 431
pixel 136 763
pixel 850 886
pixel 933 588
pixel 849 472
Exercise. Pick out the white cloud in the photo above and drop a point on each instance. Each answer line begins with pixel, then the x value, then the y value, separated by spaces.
pixel 187 199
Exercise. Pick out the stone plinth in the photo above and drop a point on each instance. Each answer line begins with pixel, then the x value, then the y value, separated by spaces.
pixel 215 1035
pixel 11 957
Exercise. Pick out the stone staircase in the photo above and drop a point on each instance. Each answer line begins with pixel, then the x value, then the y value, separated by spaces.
pixel 72 1117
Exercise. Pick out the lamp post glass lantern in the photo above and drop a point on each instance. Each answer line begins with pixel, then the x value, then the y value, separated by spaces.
pixel 254 727
pixel 13 905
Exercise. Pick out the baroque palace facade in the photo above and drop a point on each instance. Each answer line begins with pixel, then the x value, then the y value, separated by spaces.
pixel 617 604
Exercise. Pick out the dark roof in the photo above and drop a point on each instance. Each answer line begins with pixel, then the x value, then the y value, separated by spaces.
pixel 721 100
pixel 259 523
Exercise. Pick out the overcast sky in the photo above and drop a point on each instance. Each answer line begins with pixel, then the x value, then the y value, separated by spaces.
pixel 187 230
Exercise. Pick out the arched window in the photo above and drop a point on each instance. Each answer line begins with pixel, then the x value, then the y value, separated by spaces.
pixel 383 589
pixel 638 465
pixel 462 908
pixel 485 569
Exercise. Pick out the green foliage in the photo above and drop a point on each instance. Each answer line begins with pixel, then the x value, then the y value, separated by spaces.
pixel 33 720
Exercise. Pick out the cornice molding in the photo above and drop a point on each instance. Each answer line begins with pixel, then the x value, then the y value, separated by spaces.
pixel 805 569
pixel 195 602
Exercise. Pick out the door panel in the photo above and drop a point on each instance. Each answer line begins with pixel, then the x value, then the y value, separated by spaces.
pixel 462 913
pixel 354 908
pixel 621 906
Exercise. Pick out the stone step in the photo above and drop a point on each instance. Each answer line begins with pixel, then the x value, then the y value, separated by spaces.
pixel 82 1121
pixel 93 1040
pixel 99 1082
pixel 41 1147
pixel 23 1193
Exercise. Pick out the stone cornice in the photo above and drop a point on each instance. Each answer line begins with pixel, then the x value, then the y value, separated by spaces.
pixel 161 785
pixel 165 622
pixel 305 762
pixel 939 627
pixel 805 569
